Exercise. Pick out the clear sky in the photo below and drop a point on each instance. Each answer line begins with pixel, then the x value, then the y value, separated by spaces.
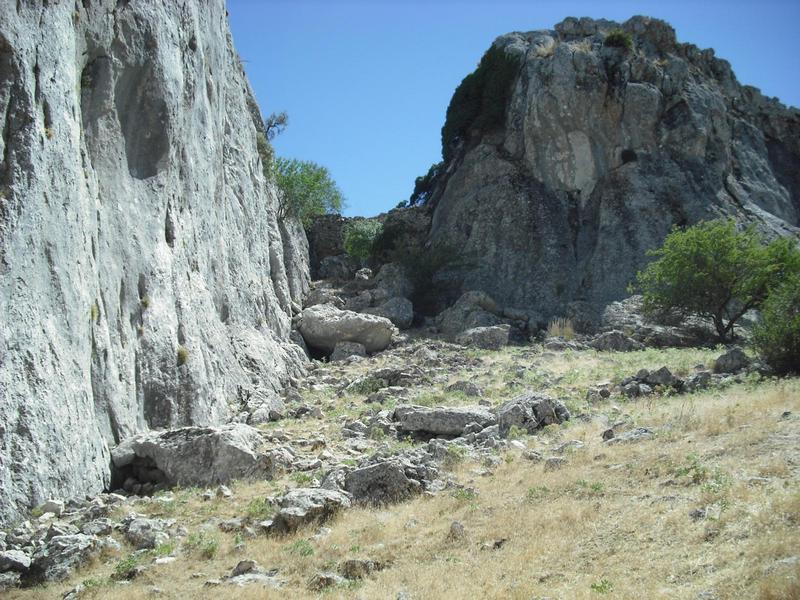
pixel 366 83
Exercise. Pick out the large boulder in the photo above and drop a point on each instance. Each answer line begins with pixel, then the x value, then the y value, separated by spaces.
pixel 733 361
pixel 61 555
pixel 398 310
pixel 485 338
pixel 393 278
pixel 323 326
pixel 530 411
pixel 194 455
pixel 615 341
pixel 445 421
pixel 305 505
pixel 380 483
pixel 472 309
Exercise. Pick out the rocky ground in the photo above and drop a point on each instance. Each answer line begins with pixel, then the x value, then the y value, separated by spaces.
pixel 434 470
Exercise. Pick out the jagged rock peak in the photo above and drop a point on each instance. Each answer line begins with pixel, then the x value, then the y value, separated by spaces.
pixel 601 150
pixel 145 280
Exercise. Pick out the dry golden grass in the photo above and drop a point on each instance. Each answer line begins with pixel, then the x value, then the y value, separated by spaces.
pixel 614 522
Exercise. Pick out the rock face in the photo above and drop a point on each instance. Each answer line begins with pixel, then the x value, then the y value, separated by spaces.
pixel 441 421
pixel 602 151
pixel 144 275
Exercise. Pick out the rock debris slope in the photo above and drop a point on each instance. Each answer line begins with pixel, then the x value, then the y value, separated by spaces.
pixel 602 150
pixel 145 281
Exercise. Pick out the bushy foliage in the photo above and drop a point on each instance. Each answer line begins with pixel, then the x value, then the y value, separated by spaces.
pixel 480 101
pixel 423 185
pixel 716 272
pixel 306 189
pixel 777 336
pixel 619 39
pixel 360 236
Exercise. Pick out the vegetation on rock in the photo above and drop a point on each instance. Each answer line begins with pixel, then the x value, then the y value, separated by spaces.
pixel 716 272
pixel 619 39
pixel 360 237
pixel 306 189
pixel 480 101
pixel 423 185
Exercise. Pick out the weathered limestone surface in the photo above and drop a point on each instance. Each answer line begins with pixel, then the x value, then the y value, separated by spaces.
pixel 602 152
pixel 144 277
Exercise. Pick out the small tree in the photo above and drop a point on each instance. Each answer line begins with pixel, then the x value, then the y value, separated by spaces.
pixel 306 190
pixel 360 236
pixel 777 336
pixel 619 38
pixel 716 272
pixel 275 124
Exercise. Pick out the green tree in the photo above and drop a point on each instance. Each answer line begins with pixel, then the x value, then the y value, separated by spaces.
pixel 716 272
pixel 480 101
pixel 306 189
pixel 360 236
pixel 777 336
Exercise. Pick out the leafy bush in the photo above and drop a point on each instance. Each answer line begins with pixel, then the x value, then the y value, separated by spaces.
pixel 306 190
pixel 360 236
pixel 716 272
pixel 423 185
pixel 619 39
pixel 183 355
pixel 480 101
pixel 777 337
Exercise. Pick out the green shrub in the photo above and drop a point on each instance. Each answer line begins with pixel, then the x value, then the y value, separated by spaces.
pixel 202 543
pixel 777 336
pixel 716 272
pixel 306 190
pixel 423 185
pixel 619 39
pixel 183 355
pixel 480 100
pixel 360 237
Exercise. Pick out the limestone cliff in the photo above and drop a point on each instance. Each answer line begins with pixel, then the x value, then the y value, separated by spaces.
pixel 145 281
pixel 603 149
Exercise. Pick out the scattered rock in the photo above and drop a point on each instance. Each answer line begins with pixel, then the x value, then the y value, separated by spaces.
pixel 637 434
pixel 355 568
pixel 615 341
pixel 472 309
pixel 457 532
pixel 486 338
pixel 465 387
pixel 530 411
pixel 344 350
pixel 494 544
pixel 14 560
pixel 733 361
pixel 61 556
pixel 323 580
pixel 554 463
pixel 143 533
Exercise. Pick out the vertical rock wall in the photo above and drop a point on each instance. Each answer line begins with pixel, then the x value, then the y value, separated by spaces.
pixel 145 281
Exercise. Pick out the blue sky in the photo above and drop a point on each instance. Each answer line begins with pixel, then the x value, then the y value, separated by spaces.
pixel 366 83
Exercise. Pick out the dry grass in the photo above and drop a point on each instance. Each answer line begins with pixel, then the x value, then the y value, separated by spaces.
pixel 562 328
pixel 614 522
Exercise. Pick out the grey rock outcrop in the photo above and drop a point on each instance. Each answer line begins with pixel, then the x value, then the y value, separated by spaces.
pixel 530 412
pixel 194 455
pixel 143 272
pixel 398 310
pixel 323 326
pixel 305 505
pixel 472 309
pixel 601 151
pixel 486 338
pixel 443 421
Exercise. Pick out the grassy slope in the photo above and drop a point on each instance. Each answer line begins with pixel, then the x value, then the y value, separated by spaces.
pixel 614 522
